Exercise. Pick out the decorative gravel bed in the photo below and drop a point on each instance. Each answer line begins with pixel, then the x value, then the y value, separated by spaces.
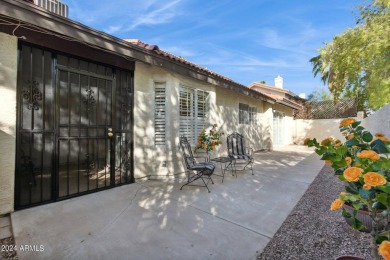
pixel 312 231
pixel 7 244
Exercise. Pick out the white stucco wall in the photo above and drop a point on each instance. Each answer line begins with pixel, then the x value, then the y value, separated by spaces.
pixel 379 121
pixel 151 160
pixel 316 128
pixel 8 72
pixel 161 161
pixel 226 115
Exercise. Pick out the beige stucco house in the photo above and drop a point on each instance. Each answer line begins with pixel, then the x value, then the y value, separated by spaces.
pixel 286 104
pixel 83 111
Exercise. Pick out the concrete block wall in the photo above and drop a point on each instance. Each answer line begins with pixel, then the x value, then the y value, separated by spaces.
pixel 8 78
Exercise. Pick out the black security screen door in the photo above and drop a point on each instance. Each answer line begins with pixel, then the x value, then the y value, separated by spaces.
pixel 75 126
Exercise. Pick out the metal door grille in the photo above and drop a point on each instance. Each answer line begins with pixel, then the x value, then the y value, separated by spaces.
pixel 67 108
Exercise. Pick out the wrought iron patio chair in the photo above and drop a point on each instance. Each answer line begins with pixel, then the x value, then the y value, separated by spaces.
pixel 200 170
pixel 238 152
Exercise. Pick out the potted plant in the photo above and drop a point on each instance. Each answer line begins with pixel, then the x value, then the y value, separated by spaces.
pixel 362 163
pixel 209 140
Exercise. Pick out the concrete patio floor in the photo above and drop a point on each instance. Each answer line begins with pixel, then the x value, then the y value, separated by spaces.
pixel 156 220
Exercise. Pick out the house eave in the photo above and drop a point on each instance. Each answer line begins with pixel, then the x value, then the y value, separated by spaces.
pixel 62 26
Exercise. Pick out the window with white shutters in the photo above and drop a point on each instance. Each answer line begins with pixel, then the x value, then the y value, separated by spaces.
pixel 194 111
pixel 247 115
pixel 159 113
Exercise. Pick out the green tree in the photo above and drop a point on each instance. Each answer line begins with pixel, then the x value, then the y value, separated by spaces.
pixel 321 94
pixel 357 62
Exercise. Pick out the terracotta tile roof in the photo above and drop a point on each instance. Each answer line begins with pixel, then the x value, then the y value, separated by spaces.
pixel 193 66
pixel 280 99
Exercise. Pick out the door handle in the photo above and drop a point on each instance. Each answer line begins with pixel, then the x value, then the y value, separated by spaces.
pixel 109 132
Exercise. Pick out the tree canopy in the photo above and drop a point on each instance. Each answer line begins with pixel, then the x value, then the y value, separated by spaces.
pixel 357 62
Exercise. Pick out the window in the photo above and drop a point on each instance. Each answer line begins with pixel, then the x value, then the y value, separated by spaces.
pixel 247 115
pixel 194 111
pixel 159 113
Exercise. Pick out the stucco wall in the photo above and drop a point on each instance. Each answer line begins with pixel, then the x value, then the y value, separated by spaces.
pixel 160 161
pixel 8 72
pixel 226 115
pixel 151 160
pixel 379 121
pixel 323 128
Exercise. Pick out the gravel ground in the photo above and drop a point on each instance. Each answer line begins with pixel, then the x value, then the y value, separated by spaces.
pixel 7 245
pixel 312 231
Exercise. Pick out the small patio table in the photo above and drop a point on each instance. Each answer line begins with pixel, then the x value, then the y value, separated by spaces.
pixel 224 162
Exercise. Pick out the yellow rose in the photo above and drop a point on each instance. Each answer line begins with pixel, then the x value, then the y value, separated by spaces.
pixel 350 136
pixel 379 135
pixel 382 138
pixel 344 133
pixel 327 140
pixel 327 162
pixel 355 147
pixel 374 179
pixel 368 154
pixel 384 250
pixel 366 187
pixel 306 141
pixel 347 122
pixel 356 164
pixel 352 174
pixel 336 204
pixel 337 145
pixel 205 146
pixel 348 160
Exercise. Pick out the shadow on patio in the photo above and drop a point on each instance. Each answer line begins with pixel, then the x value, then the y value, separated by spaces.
pixel 155 220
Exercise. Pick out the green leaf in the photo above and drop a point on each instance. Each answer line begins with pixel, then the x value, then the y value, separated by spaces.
pixel 342 129
pixel 330 156
pixel 351 188
pixel 354 125
pixel 367 194
pixel 356 224
pixel 384 199
pixel 345 214
pixel 367 136
pixel 339 172
pixel 321 150
pixel 385 188
pixel 339 164
pixel 342 151
pixel 379 239
pixel 352 142
pixel 341 177
pixel 359 129
pixel 379 146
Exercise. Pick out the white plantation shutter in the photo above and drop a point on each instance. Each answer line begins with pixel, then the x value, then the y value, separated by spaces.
pixel 159 113
pixel 253 115
pixel 247 115
pixel 194 111
pixel 202 111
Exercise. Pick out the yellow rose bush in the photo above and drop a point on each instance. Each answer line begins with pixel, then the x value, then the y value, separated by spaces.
pixel 209 141
pixel 362 163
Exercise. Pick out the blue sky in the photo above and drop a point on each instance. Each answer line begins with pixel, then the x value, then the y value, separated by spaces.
pixel 245 40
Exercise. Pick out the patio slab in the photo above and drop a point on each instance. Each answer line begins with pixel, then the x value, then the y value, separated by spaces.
pixel 155 220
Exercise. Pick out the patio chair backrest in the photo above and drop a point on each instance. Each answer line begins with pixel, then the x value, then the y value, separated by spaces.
pixel 236 144
pixel 187 152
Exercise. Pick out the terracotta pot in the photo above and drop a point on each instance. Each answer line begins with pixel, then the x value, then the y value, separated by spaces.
pixel 349 257
pixel 362 215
